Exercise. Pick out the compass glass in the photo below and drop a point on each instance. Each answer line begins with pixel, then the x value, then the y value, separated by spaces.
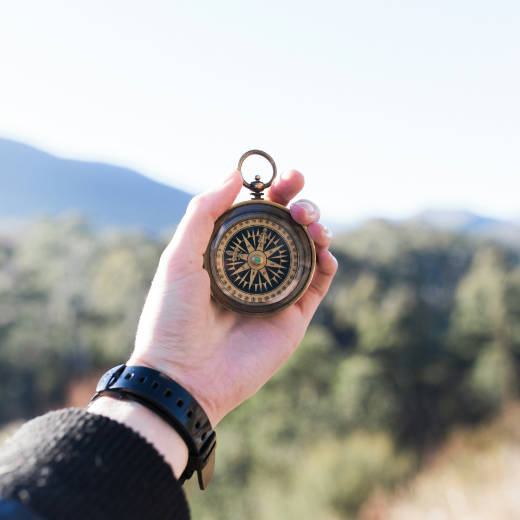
pixel 259 259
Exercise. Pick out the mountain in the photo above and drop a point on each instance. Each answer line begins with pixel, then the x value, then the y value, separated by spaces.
pixel 34 183
pixel 469 223
pixel 457 220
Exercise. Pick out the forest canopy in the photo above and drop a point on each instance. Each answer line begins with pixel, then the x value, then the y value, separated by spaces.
pixel 419 333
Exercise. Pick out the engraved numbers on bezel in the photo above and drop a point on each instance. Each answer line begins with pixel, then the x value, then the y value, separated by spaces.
pixel 256 261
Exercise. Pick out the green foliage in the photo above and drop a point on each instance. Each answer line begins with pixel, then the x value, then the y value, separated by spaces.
pixel 420 332
pixel 485 331
pixel 363 394
pixel 69 303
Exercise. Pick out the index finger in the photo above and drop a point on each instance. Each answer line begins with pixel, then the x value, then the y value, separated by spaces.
pixel 286 187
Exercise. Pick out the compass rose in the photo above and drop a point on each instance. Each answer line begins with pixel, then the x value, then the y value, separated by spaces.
pixel 257 259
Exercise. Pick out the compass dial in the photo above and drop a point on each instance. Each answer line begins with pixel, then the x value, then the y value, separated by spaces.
pixel 259 259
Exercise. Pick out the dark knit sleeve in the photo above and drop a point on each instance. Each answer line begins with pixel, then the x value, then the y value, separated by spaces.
pixel 75 464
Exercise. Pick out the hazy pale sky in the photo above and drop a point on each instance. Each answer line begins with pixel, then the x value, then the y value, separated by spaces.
pixel 387 107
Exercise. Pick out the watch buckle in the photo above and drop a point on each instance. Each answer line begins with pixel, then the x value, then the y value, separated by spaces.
pixel 204 463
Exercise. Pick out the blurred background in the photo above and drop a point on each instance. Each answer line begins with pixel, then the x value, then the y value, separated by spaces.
pixel 402 401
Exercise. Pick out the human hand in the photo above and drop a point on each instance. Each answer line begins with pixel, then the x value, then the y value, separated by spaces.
pixel 221 357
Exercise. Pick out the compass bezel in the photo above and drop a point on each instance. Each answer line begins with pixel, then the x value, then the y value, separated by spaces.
pixel 255 209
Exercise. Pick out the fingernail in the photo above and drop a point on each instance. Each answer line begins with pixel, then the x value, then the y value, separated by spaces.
pixel 308 208
pixel 286 175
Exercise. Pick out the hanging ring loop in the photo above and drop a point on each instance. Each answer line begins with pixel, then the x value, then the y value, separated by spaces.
pixel 257 186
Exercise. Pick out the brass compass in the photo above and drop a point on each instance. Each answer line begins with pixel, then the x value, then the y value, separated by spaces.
pixel 259 259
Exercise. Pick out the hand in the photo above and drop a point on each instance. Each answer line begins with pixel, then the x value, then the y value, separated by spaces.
pixel 220 357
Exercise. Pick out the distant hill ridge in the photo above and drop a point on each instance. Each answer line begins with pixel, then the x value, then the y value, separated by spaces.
pixel 469 223
pixel 34 183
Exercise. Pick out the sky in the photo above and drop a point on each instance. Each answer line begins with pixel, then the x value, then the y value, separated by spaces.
pixel 387 107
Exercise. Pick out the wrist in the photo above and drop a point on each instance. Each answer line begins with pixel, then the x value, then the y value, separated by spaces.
pixel 176 406
pixel 151 426
pixel 188 380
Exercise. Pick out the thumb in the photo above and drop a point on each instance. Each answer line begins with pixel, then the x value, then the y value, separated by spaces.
pixel 184 253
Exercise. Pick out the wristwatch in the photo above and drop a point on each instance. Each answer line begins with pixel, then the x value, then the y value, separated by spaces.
pixel 175 405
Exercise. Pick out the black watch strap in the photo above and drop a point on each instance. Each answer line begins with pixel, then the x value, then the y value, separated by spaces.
pixel 175 405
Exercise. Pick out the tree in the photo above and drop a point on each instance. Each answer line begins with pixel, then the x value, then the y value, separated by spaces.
pixel 484 326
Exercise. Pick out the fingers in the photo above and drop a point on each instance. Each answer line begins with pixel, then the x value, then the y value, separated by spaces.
pixel 305 212
pixel 326 268
pixel 285 187
pixel 184 252
pixel 321 235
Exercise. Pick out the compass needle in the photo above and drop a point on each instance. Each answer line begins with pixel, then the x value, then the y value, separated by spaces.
pixel 261 240
pixel 242 280
pixel 250 248
pixel 269 241
pixel 233 264
pixel 270 263
pixel 252 276
pixel 244 267
pixel 263 272
pixel 271 252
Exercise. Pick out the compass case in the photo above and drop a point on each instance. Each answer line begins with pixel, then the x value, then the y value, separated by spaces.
pixel 259 259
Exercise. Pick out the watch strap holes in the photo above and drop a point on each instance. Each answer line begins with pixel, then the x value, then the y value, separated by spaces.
pixel 174 404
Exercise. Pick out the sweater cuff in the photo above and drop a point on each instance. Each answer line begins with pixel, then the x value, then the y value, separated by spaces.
pixel 75 464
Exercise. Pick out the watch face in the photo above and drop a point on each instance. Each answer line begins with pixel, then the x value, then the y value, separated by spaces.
pixel 259 259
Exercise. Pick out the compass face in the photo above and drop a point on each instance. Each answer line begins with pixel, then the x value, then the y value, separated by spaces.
pixel 259 259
